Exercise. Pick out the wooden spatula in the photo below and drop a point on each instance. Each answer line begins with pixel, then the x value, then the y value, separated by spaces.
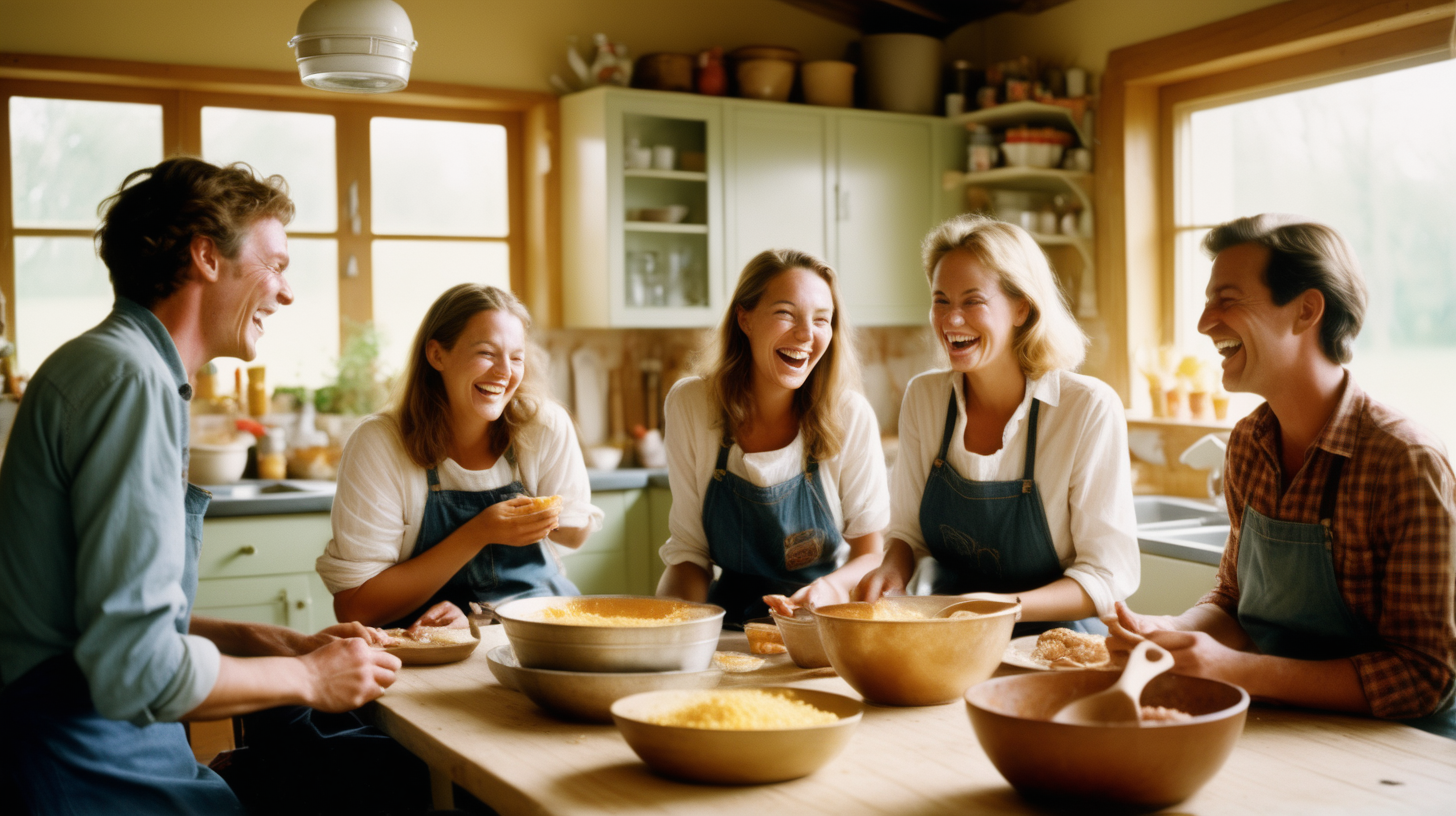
pixel 1121 702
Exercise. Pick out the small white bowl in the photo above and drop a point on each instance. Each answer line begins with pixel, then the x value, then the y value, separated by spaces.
pixel 218 464
pixel 603 457
pixel 1031 154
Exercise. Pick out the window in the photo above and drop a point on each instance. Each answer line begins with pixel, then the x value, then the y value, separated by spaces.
pixel 396 200
pixel 1370 156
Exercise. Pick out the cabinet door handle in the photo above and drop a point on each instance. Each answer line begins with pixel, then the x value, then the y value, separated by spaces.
pixel 247 549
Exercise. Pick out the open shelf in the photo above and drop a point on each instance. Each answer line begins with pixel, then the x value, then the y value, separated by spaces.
pixel 1024 113
pixel 673 175
pixel 662 226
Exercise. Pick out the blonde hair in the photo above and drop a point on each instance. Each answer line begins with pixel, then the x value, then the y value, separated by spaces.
pixel 1050 338
pixel 421 406
pixel 729 370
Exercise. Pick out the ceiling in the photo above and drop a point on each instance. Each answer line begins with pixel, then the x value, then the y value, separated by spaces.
pixel 937 18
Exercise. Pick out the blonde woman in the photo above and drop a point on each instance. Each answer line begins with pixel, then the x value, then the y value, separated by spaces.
pixel 432 510
pixel 774 460
pixel 1013 471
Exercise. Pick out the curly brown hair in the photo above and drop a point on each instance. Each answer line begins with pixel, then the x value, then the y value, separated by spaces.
pixel 147 225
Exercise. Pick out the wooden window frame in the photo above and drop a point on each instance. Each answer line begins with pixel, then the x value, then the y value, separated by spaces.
pixel 1292 45
pixel 530 120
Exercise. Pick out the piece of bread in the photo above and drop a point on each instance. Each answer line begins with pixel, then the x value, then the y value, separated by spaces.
pixel 1064 648
pixel 539 503
pixel 764 638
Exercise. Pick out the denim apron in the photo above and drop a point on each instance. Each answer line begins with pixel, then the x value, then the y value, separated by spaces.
pixel 990 536
pixel 1290 602
pixel 767 540
pixel 498 572
pixel 64 757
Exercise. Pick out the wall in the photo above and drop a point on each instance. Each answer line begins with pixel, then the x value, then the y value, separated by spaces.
pixel 493 43
pixel 1083 32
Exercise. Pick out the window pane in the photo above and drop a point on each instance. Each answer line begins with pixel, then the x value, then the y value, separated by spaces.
pixel 297 146
pixel 300 342
pixel 438 178
pixel 67 155
pixel 62 289
pixel 410 275
pixel 1371 157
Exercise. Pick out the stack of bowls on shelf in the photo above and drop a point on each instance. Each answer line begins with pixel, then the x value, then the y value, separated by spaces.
pixel 566 656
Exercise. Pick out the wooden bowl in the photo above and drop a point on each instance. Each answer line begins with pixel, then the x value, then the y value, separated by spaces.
pixel 1149 765
pixel 915 662
pixel 735 757
pixel 663 72
pixel 587 696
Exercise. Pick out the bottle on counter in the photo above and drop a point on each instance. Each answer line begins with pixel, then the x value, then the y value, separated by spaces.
pixel 273 454
pixel 257 391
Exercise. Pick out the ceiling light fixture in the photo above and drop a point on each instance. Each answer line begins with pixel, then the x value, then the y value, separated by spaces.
pixel 354 46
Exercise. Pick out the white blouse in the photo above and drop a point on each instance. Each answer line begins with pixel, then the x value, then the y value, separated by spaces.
pixel 1083 472
pixel 380 502
pixel 854 480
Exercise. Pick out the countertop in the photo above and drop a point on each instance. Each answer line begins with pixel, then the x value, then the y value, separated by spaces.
pixel 497 744
pixel 265 497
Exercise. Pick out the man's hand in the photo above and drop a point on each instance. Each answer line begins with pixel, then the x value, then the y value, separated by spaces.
pixel 506 523
pixel 346 674
pixel 879 582
pixel 306 644
pixel 443 613
pixel 1197 654
pixel 1126 628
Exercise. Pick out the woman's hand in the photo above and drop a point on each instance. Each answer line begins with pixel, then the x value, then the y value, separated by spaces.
pixel 507 523
pixel 820 592
pixel 1126 628
pixel 879 582
pixel 443 613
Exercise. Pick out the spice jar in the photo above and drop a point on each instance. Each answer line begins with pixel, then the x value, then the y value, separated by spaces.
pixel 257 391
pixel 273 455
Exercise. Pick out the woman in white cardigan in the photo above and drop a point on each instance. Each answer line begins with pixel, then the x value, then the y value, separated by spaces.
pixel 433 510
pixel 1013 472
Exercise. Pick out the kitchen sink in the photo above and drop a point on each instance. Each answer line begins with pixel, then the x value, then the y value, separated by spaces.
pixel 1161 512
pixel 1182 528
pixel 252 497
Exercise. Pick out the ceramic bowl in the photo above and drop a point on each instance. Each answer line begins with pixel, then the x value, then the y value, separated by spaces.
pixel 685 644
pixel 673 214
pixel 829 82
pixel 1150 765
pixel 735 757
pixel 801 638
pixel 1031 154
pixel 769 79
pixel 218 464
pixel 915 662
pixel 587 695
pixel 420 654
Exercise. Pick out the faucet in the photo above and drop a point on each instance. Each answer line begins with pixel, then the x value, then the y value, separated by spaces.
pixel 1208 454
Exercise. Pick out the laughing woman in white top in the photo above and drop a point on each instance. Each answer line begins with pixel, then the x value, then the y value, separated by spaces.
pixel 774 460
pixel 1013 472
pixel 432 510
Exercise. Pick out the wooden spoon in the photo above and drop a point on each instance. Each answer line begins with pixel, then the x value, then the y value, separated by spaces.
pixel 1121 703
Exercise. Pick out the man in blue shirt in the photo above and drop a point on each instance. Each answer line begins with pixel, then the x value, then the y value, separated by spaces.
pixel 100 657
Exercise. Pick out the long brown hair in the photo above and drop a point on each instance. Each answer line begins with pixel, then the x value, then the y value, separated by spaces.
pixel 729 369
pixel 421 406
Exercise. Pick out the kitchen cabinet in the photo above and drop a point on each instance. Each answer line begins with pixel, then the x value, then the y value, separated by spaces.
pixel 1171 586
pixel 260 569
pixel 621 558
pixel 857 188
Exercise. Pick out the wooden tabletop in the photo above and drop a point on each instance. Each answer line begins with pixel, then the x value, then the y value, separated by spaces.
pixel 498 745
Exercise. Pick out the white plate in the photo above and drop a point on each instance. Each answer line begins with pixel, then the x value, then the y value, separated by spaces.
pixel 1018 653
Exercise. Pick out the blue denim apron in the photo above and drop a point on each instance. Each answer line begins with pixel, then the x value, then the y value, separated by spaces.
pixel 767 540
pixel 1290 601
pixel 990 536
pixel 64 757
pixel 498 572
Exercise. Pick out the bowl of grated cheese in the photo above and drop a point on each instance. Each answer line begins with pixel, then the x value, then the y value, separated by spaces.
pixel 612 633
pixel 737 736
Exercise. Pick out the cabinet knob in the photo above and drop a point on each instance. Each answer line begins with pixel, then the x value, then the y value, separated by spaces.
pixel 247 549
pixel 303 604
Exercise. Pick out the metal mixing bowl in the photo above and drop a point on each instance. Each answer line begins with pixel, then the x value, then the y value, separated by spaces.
pixel 735 757
pixel 801 638
pixel 588 695
pixel 915 662
pixel 1150 765
pixel 685 645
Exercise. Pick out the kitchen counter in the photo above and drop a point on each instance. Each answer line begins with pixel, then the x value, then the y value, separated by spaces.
pixel 266 497
pixel 498 745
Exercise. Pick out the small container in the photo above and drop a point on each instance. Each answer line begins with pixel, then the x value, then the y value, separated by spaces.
pixel 1076 83
pixel 664 157
pixel 1046 222
pixel 257 391
pixel 273 455
pixel 637 157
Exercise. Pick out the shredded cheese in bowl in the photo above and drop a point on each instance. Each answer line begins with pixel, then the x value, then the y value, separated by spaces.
pixel 574 614
pixel 744 710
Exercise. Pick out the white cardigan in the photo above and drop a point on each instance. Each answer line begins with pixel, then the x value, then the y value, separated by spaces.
pixel 380 501
pixel 854 480
pixel 1083 472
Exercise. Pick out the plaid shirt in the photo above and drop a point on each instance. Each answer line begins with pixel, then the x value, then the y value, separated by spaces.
pixel 1393 537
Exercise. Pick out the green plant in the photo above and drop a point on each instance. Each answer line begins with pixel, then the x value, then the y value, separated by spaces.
pixel 360 387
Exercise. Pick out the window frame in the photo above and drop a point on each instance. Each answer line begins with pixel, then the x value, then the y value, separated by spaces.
pixel 182 91
pixel 1148 91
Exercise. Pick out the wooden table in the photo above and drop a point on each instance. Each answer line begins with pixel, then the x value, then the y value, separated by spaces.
pixel 498 745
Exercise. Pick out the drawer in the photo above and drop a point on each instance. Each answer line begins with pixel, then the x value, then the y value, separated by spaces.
pixel 262 545
pixel 282 600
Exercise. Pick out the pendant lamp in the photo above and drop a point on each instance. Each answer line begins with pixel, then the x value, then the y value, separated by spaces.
pixel 354 46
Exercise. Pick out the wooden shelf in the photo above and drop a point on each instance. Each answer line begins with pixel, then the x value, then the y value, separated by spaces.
pixel 1045 179
pixel 662 226
pixel 672 175
pixel 1024 113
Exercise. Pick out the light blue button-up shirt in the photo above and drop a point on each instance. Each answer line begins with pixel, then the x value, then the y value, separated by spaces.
pixel 94 553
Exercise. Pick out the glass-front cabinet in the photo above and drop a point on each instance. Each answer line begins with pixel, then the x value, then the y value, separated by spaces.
pixel 653 256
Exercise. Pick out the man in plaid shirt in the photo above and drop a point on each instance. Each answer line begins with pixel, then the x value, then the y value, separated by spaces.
pixel 1336 586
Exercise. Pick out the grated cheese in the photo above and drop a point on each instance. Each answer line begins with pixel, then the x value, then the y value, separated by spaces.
pixel 744 710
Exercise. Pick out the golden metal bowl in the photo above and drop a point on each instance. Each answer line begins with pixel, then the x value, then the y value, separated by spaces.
pixel 677 635
pixel 735 757
pixel 1149 765
pixel 929 661
pixel 801 638
pixel 587 695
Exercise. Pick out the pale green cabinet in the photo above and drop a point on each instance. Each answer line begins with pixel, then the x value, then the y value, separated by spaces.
pixel 1170 586
pixel 261 569
pixel 779 168
pixel 621 558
